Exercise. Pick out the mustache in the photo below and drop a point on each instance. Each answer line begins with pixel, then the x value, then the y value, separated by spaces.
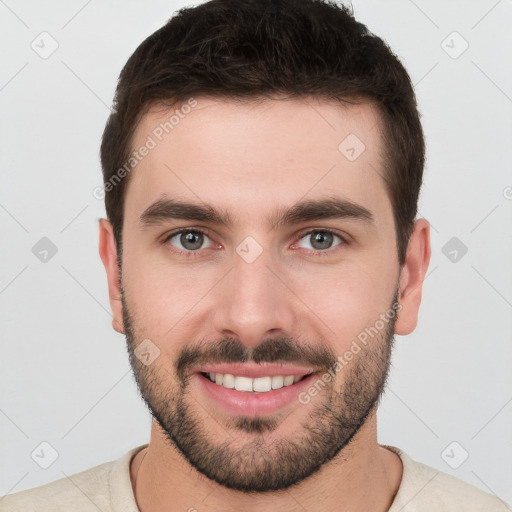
pixel 283 349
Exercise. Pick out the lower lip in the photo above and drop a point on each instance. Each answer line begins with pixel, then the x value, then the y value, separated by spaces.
pixel 244 403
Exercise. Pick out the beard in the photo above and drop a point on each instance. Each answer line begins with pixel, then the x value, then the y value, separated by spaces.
pixel 256 464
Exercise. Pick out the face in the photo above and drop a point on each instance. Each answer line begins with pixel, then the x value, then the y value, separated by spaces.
pixel 258 240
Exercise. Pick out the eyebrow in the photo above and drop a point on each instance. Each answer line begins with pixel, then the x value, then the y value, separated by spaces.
pixel 167 209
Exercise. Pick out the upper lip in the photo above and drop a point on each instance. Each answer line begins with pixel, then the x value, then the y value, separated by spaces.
pixel 254 370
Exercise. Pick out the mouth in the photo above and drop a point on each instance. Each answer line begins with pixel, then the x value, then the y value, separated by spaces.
pixel 245 390
pixel 245 384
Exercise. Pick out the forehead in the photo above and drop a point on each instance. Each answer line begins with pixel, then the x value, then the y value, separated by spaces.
pixel 248 155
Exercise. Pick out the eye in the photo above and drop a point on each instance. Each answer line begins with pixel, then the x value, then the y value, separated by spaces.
pixel 319 240
pixel 188 240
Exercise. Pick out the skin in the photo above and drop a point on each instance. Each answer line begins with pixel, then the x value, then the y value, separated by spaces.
pixel 247 159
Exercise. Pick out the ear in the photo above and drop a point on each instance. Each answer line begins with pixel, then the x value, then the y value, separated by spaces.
pixel 412 275
pixel 108 254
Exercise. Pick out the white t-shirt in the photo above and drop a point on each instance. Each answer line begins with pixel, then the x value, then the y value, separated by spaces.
pixel 108 488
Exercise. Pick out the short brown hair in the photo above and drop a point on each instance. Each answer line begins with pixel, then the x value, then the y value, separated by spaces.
pixel 260 48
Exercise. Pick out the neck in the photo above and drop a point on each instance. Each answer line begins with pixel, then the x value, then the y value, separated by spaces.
pixel 363 476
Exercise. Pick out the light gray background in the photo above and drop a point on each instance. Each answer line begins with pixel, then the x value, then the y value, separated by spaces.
pixel 65 377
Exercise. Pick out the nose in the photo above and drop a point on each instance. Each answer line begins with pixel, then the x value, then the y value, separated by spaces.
pixel 254 300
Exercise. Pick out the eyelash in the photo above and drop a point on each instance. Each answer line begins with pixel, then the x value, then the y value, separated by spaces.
pixel 316 253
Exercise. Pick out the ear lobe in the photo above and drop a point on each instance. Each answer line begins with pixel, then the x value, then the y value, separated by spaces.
pixel 108 255
pixel 412 276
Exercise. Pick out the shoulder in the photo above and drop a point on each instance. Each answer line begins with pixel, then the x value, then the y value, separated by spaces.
pixel 424 488
pixel 89 490
pixel 85 491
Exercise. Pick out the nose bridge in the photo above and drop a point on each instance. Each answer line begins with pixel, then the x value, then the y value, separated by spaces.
pixel 253 300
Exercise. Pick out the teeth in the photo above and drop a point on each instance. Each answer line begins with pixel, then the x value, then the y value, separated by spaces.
pixel 243 384
pixel 288 380
pixel 228 381
pixel 260 384
pixel 277 382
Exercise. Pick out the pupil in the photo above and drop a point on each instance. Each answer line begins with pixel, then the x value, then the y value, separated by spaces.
pixel 322 240
pixel 191 240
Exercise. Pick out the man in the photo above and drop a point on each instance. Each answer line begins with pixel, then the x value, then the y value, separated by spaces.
pixel 262 166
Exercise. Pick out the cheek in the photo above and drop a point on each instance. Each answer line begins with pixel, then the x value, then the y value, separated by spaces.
pixel 162 294
pixel 348 300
